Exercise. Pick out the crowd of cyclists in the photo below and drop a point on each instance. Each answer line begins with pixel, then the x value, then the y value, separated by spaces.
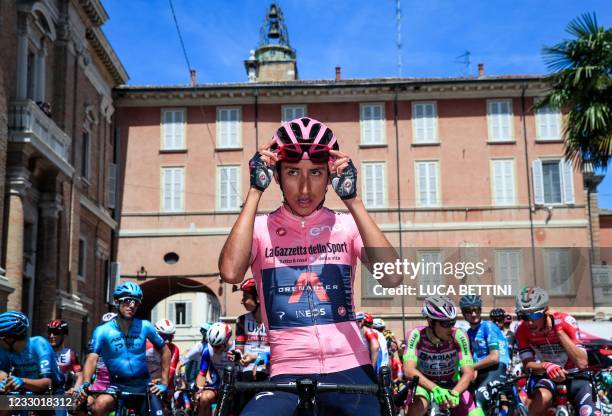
pixel 301 324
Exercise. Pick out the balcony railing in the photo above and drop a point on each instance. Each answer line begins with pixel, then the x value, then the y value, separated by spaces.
pixel 28 124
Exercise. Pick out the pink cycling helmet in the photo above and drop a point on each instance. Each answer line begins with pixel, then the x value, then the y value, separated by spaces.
pixel 304 131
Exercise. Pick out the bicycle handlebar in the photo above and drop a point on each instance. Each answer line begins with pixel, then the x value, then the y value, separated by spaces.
pixel 292 387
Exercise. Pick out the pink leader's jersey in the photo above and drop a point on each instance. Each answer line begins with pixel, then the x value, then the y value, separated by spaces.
pixel 304 269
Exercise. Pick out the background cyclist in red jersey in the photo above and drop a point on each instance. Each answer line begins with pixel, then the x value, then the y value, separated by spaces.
pixel 303 258
pixel 549 345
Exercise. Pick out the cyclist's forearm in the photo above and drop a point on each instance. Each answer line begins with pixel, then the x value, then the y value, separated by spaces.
pixel 490 360
pixel 36 385
pixel 165 364
pixel 89 368
pixel 467 375
pixel 410 371
pixel 576 354
pixel 373 237
pixel 236 252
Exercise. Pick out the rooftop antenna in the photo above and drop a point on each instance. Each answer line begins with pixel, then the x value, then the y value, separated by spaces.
pixel 398 38
pixel 466 60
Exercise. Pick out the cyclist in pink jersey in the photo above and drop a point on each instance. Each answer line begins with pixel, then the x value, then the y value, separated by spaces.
pixel 303 257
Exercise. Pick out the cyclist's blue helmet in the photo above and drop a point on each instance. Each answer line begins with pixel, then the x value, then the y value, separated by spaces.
pixel 13 324
pixel 127 289
pixel 470 301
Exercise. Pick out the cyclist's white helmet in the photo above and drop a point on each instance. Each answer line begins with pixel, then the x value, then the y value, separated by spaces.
pixel 165 326
pixel 439 308
pixel 109 316
pixel 531 299
pixel 378 324
pixel 219 333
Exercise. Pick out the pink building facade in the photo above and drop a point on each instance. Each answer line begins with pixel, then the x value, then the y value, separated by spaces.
pixel 461 163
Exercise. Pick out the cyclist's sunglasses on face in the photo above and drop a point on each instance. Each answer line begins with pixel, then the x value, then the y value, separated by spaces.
pixel 167 337
pixel 292 153
pixel 447 324
pixel 469 311
pixel 55 332
pixel 130 301
pixel 531 316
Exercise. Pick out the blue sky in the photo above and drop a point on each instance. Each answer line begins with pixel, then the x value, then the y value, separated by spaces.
pixel 358 35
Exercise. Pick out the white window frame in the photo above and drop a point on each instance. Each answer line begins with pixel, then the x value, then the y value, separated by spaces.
pixel 181 196
pixel 493 138
pixel 173 143
pixel 364 185
pixel 238 201
pixel 503 271
pixel 566 175
pixel 220 124
pixel 547 116
pixel 427 139
pixel 188 313
pixel 553 288
pixel 369 137
pixel 82 264
pixel 285 109
pixel 417 187
pixel 428 279
pixel 507 200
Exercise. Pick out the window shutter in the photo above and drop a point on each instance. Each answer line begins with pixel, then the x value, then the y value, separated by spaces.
pixel 369 185
pixel 538 184
pixel 498 183
pixel 111 191
pixel 508 173
pixel 433 183
pixel 188 313
pixel 154 314
pixel 568 181
pixel 172 312
pixel 233 180
pixel 167 189
pixel 168 128
pixel 367 124
pixel 223 194
pixel 378 187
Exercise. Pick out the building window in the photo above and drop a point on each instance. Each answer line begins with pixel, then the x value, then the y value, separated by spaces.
pixel 548 123
pixel 291 112
pixel 86 155
pixel 499 117
pixel 374 184
pixel 558 271
pixel 372 124
pixel 180 312
pixel 508 268
pixel 431 268
pixel 502 174
pixel 427 184
pixel 173 129
pixel 228 188
pixel 424 122
pixel 228 128
pixel 553 182
pixel 82 266
pixel 173 189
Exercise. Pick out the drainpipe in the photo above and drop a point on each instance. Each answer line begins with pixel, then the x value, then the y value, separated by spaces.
pixel 399 200
pixel 529 184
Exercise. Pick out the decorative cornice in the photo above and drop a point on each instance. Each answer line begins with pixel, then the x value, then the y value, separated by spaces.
pixel 98 211
pixel 95 11
pixel 107 55
pixel 357 90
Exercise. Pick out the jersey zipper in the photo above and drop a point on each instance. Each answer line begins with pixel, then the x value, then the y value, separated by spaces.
pixel 311 303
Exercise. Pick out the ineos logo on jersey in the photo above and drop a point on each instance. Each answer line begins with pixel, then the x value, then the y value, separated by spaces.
pixel 309 313
pixel 316 231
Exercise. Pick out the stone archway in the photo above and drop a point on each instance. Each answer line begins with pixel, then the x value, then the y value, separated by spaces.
pixel 159 288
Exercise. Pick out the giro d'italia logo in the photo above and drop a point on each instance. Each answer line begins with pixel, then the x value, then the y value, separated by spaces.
pixel 347 184
pixel 262 177
pixel 281 231
pixel 341 310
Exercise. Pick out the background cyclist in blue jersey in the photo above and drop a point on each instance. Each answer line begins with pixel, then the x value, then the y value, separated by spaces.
pixel 489 348
pixel 27 364
pixel 121 342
